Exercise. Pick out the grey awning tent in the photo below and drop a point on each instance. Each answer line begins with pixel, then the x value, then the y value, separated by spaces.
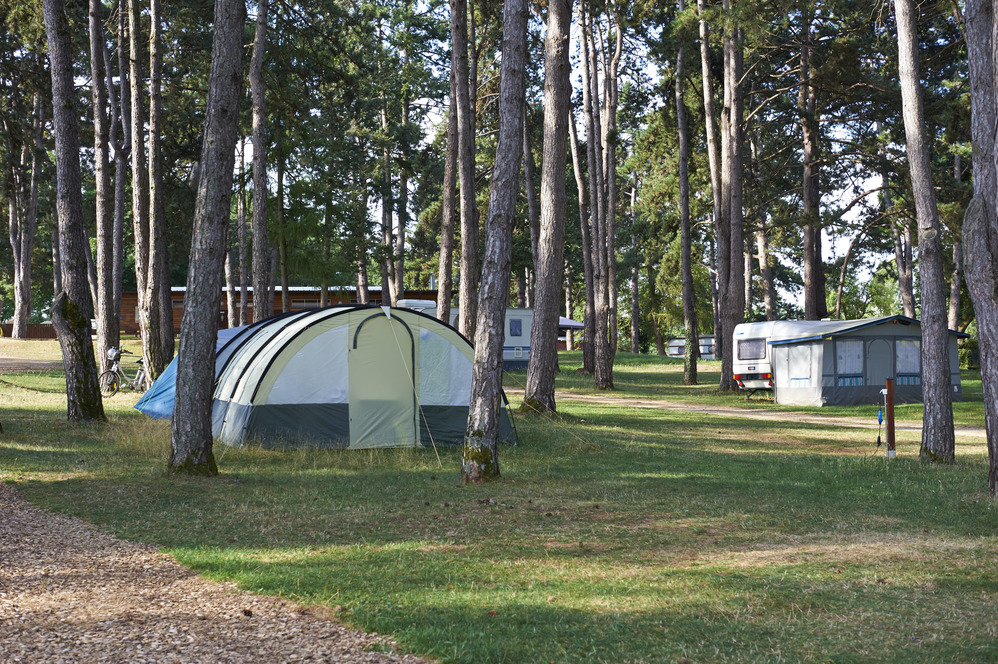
pixel 847 362
pixel 346 377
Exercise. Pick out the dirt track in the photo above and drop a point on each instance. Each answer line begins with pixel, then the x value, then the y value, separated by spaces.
pixel 71 593
pixel 16 364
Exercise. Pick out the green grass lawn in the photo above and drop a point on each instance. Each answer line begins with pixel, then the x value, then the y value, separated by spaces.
pixel 616 534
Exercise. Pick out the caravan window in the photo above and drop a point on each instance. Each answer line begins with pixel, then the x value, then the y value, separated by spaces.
pixel 849 357
pixel 908 356
pixel 751 349
pixel 515 327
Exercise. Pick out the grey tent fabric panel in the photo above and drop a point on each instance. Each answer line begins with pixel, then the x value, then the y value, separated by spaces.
pixel 322 425
pixel 799 396
pixel 442 425
pixel 231 422
pixel 447 424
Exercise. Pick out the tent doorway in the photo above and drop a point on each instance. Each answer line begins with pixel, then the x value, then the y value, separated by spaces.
pixel 880 359
pixel 382 400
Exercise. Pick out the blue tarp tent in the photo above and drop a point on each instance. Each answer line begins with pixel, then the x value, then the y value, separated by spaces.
pixel 157 403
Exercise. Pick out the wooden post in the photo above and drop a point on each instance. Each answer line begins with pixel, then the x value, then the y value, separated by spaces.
pixel 891 453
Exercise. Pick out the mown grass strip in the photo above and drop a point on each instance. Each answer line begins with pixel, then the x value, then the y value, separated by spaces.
pixel 616 535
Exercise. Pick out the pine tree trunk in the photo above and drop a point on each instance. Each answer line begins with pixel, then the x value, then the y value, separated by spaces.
pixel 610 104
pixel 766 273
pixel 191 448
pixel 147 309
pixel 480 453
pixel 231 313
pixel 71 308
pixel 937 418
pixel 262 302
pixel 602 353
pixel 736 215
pixel 980 223
pixel 569 334
pixel 122 149
pixel 588 316
pixel 282 240
pixel 533 208
pixel 955 286
pixel 720 210
pixel 635 299
pixel 468 285
pixel 23 225
pixel 653 308
pixel 690 325
pixel 403 220
pixel 445 266
pixel 549 255
pixel 106 336
pixel 160 323
pixel 241 319
pixel 815 307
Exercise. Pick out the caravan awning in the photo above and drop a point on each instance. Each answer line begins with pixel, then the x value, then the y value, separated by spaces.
pixel 793 332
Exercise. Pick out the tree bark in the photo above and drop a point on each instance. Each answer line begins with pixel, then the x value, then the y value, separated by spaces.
pixel 815 307
pixel 160 307
pixel 610 103
pixel 468 286
pixel 602 349
pixel 191 448
pixel 653 307
pixel 282 238
pixel 123 149
pixel 904 261
pixel 570 333
pixel 690 326
pixel 533 208
pixel 635 299
pixel 589 316
pixel 956 276
pixel 720 209
pixel 480 453
pixel 148 307
pixel 231 310
pixel 445 265
pixel 980 223
pixel 937 418
pixel 730 240
pixel 263 304
pixel 23 210
pixel 56 258
pixel 71 308
pixel 242 319
pixel 106 328
pixel 403 210
pixel 955 286
pixel 549 255
pixel 766 272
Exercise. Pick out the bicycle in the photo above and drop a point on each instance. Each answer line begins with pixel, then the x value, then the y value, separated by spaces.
pixel 112 379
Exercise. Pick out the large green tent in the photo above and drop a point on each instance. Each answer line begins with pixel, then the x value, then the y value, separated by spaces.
pixel 346 377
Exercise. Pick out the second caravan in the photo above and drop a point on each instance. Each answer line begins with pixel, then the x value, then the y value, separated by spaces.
pixel 752 364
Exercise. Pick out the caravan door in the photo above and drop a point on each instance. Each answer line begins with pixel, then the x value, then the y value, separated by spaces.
pixel 382 400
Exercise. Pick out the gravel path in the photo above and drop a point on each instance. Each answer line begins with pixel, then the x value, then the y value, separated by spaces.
pixel 70 593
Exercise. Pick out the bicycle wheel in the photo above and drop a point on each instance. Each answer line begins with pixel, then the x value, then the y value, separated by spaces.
pixel 108 383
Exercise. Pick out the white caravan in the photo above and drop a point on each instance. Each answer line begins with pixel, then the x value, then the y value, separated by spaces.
pixel 752 365
pixel 516 346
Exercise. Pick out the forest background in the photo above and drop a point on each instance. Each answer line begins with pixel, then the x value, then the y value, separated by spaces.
pixel 356 107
